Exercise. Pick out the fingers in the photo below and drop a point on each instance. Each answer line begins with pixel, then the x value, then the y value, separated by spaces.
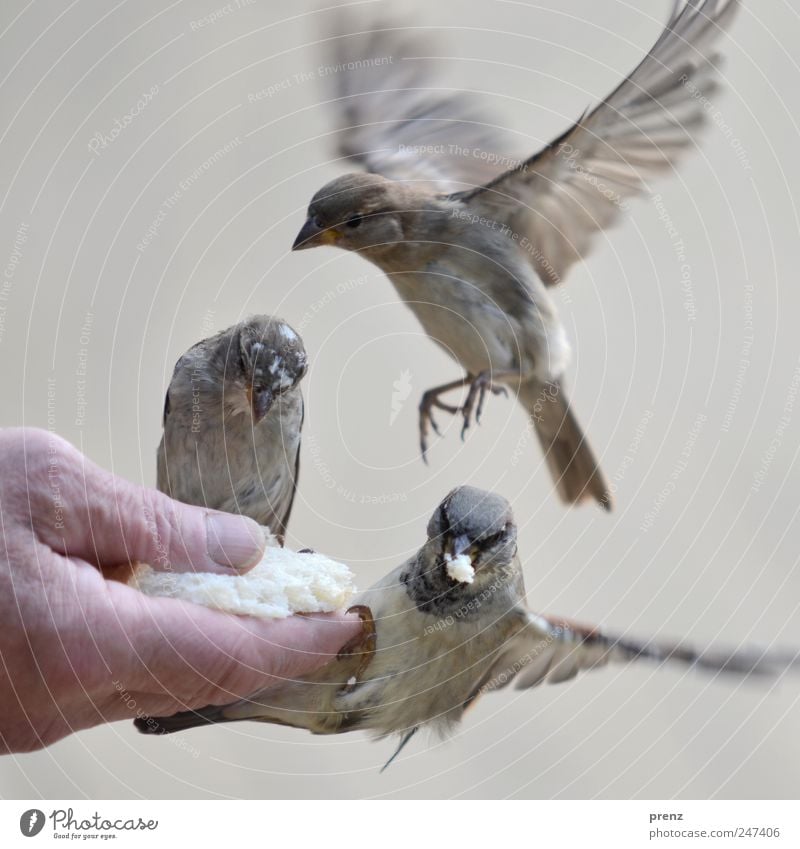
pixel 195 656
pixel 83 511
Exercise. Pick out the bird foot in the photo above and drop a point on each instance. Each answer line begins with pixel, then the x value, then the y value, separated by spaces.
pixel 473 406
pixel 429 402
pixel 364 644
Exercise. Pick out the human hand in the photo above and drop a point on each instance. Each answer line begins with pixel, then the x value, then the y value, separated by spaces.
pixel 79 649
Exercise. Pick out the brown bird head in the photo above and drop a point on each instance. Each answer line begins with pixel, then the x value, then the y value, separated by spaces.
pixel 355 212
pixel 265 359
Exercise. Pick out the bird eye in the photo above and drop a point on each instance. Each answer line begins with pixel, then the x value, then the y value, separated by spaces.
pixel 496 539
pixel 354 221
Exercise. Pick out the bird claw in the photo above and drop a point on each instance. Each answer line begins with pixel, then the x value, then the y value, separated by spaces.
pixel 364 644
pixel 473 406
pixel 429 402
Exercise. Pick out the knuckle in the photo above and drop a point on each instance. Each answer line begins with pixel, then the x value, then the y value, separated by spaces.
pixel 161 529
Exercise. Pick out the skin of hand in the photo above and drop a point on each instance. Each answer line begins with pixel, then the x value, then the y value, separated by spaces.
pixel 452 623
pixel 79 648
pixel 476 265
pixel 232 420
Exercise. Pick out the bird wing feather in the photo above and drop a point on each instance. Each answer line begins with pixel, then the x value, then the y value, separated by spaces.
pixel 393 122
pixel 548 650
pixel 580 183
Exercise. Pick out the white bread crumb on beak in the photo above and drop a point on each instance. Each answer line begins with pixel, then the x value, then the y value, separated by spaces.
pixel 459 568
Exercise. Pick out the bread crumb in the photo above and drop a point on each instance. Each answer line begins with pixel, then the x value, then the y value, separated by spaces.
pixel 459 568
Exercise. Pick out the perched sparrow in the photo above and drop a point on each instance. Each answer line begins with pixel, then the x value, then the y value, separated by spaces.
pixel 446 626
pixel 473 245
pixel 232 421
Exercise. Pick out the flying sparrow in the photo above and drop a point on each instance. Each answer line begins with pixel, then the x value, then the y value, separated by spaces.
pixel 474 239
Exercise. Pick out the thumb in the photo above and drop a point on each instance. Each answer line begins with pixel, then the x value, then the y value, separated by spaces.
pixel 110 521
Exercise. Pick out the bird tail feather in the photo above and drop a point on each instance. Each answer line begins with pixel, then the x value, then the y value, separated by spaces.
pixel 569 457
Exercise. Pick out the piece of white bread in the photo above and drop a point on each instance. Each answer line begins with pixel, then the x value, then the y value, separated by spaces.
pixel 284 582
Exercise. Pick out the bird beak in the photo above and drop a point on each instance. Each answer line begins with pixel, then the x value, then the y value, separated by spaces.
pixel 312 236
pixel 461 545
pixel 260 402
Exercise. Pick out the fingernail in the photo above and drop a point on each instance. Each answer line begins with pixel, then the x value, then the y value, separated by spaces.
pixel 233 541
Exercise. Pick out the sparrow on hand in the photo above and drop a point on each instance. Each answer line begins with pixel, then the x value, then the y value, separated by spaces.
pixel 232 421
pixel 473 239
pixel 448 625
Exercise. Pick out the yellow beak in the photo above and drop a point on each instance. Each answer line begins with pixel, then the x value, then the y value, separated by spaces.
pixel 312 235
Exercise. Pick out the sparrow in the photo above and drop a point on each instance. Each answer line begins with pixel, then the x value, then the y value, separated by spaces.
pixel 442 629
pixel 474 239
pixel 232 421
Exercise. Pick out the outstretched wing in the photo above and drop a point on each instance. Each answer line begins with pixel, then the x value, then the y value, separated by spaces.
pixel 549 650
pixel 577 185
pixel 395 122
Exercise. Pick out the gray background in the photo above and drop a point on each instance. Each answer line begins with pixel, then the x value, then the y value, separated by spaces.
pixel 660 343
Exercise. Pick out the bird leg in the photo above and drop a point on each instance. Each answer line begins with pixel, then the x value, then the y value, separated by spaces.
pixel 429 401
pixel 364 644
pixel 476 395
